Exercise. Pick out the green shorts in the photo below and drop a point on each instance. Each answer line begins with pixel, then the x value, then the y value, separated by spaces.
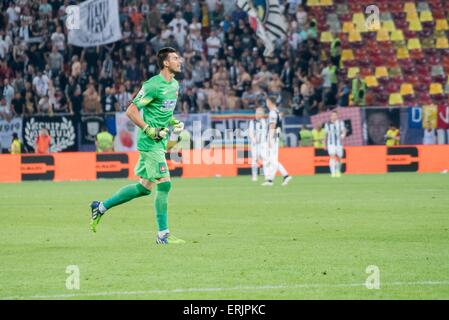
pixel 152 165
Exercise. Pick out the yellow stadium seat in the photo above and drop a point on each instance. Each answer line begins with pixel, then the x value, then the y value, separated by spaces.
pixel 358 17
pixel 361 27
pixel 441 24
pixel 347 54
pixel 402 53
pixel 415 25
pixel 412 16
pixel 409 7
pixel 312 3
pixel 395 99
pixel 371 81
pixel 348 27
pixel 352 72
pixel 436 88
pixel 414 44
pixel 381 72
pixel 442 43
pixel 383 35
pixel 407 89
pixel 354 36
pixel 388 25
pixel 326 37
pixel 326 2
pixel 426 16
pixel 397 35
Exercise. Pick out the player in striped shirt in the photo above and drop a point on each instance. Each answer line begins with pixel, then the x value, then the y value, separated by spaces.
pixel 335 133
pixel 257 133
pixel 271 163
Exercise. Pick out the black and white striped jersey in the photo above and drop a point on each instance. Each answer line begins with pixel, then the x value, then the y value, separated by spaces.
pixel 334 132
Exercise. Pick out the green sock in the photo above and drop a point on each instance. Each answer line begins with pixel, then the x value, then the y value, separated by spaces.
pixel 126 194
pixel 160 205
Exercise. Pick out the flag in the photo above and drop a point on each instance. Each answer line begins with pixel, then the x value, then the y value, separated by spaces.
pixel 99 24
pixel 266 19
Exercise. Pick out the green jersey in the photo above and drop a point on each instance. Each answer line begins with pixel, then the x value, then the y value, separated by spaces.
pixel 157 98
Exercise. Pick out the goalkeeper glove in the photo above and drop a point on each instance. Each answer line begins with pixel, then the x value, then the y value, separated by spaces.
pixel 178 126
pixel 155 133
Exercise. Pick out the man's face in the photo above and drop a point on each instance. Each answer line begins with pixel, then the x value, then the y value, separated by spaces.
pixel 377 127
pixel 173 62
pixel 334 117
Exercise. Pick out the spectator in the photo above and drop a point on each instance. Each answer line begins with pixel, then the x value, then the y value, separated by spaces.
pixel 109 101
pixel 43 142
pixel 5 110
pixel 213 45
pixel 30 108
pixel 344 92
pixel 392 137
pixel 40 84
pixel 123 97
pixel 56 61
pixel 44 106
pixel 104 141
pixel 18 104
pixel 59 102
pixel 215 99
pixel 16 145
pixel 91 100
pixel 318 135
pixel 430 134
pixel 358 91
pixel 8 91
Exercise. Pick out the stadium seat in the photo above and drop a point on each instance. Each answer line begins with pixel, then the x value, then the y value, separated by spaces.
pixel 382 35
pixel 413 15
pixel 427 43
pixel 402 53
pixel 311 3
pixel 385 16
pixel 415 25
pixel 352 72
pixel 347 54
pixel 414 44
pixel 342 8
pixel 354 36
pixel 371 81
pixel 389 25
pixel 425 16
pixel 348 27
pixel 326 37
pixel 435 88
pixel 441 24
pixel 395 99
pixel 407 89
pixel 409 7
pixel 358 18
pixel 442 43
pixel 381 72
pixel 423 7
pixel 437 70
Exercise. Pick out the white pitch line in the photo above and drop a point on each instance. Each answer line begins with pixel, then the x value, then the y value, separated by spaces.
pixel 243 288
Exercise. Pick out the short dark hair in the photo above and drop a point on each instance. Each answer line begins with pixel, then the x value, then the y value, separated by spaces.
pixel 162 55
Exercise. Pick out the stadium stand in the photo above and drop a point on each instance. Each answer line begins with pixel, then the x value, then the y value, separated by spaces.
pixel 404 61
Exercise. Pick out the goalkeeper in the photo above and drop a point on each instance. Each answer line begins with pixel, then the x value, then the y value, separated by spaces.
pixel 157 99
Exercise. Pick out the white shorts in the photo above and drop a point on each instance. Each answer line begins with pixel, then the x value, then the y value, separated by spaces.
pixel 335 151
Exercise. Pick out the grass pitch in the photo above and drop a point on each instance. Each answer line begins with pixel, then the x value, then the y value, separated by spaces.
pixel 313 239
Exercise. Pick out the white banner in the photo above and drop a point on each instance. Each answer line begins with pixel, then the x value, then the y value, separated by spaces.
pixel 7 128
pixel 99 24
pixel 126 138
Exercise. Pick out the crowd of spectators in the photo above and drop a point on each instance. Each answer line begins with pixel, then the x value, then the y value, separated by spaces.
pixel 224 67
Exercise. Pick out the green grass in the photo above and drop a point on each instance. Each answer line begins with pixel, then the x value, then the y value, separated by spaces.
pixel 310 240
